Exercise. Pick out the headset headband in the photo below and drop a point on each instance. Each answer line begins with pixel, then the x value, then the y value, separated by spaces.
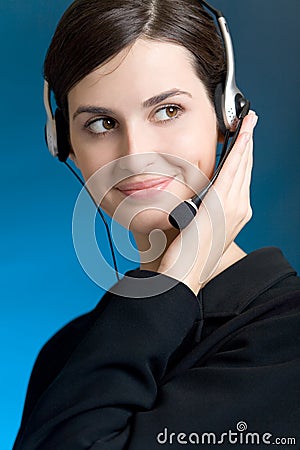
pixel 233 100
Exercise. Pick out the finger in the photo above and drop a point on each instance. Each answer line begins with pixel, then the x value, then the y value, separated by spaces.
pixel 232 163
pixel 238 199
pixel 245 192
pixel 249 122
pixel 248 174
pixel 243 173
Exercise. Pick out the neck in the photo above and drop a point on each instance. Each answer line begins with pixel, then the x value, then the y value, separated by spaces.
pixel 150 247
pixel 232 255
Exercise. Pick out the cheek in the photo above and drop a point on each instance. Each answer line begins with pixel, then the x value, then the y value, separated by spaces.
pixel 197 146
pixel 89 156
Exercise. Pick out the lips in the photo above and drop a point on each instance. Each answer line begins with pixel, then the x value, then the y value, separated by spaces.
pixel 144 188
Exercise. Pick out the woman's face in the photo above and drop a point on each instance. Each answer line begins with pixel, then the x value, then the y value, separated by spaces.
pixel 144 131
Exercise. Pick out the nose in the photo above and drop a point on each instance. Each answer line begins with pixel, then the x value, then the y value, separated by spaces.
pixel 139 148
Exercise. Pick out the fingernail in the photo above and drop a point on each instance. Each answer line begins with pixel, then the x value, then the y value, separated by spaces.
pixel 253 119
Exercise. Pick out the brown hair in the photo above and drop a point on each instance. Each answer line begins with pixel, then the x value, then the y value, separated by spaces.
pixel 92 31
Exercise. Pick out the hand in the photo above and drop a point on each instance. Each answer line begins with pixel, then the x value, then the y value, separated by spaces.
pixel 195 253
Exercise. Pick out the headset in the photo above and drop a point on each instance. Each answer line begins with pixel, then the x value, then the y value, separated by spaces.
pixel 231 108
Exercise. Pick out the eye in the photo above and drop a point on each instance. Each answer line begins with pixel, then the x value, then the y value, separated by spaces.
pixel 167 113
pixel 101 125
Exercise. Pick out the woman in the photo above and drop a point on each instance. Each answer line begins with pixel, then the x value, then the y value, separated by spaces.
pixel 201 342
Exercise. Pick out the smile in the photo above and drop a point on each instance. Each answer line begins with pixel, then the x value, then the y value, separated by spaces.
pixel 145 189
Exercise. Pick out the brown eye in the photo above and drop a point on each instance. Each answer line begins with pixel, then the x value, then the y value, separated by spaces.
pixel 171 111
pixel 100 126
pixel 109 124
pixel 167 113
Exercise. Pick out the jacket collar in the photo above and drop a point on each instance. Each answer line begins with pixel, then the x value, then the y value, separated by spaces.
pixel 230 292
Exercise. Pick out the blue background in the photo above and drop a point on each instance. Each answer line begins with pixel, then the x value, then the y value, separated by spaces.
pixel 42 284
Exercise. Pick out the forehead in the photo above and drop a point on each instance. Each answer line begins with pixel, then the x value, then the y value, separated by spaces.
pixel 141 70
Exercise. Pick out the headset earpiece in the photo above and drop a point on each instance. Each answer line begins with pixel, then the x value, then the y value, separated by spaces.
pixel 62 136
pixel 228 109
pixel 56 129
pixel 218 101
pixel 229 100
pixel 50 127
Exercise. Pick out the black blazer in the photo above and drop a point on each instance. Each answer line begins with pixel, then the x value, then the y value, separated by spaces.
pixel 175 369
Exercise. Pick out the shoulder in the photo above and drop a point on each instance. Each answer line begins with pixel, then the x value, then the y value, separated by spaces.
pixel 270 335
pixel 281 298
pixel 52 357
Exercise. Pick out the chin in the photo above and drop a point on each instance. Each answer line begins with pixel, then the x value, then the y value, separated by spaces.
pixel 152 219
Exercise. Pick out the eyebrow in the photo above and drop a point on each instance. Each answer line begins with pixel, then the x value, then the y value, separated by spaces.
pixel 146 104
pixel 163 96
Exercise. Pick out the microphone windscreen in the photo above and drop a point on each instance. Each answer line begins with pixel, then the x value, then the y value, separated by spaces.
pixel 182 215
